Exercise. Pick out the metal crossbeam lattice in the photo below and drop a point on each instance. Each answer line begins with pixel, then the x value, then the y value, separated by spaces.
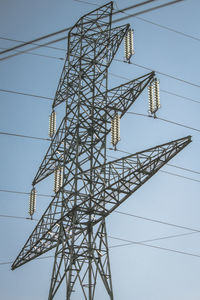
pixel 74 222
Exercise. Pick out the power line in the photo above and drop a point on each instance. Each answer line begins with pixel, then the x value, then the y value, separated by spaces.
pixel 141 243
pixel 20 41
pixel 158 25
pixel 165 120
pixel 126 214
pixel 155 239
pixel 36 40
pixel 24 136
pixel 46 139
pixel 34 48
pixel 16 217
pixel 26 94
pixel 63 30
pixel 169 76
pixel 156 247
pixel 121 213
pixel 24 193
pixel 37 54
pixel 180 96
pixel 67 29
pixel 145 241
pixel 133 6
pixel 185 169
pixel 147 10
pixel 62 49
pixel 90 3
pixel 158 72
pixel 157 221
pixel 177 175
pixel 10 262
pixel 169 29
pixel 138 65
pixel 50 98
pixel 178 124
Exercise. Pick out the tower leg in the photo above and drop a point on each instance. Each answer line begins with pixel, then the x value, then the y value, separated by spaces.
pixel 84 259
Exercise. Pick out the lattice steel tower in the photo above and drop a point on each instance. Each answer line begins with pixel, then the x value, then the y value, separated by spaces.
pixel 88 187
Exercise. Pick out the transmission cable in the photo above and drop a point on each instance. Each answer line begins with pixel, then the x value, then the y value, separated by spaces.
pixel 158 72
pixel 26 94
pixel 67 29
pixel 64 30
pixel 152 240
pixel 50 98
pixel 180 96
pixel 145 241
pixel 47 139
pixel 121 213
pixel 62 49
pixel 20 41
pixel 158 25
pixel 132 113
pixel 36 40
pixel 155 247
pixel 146 10
pixel 169 29
pixel 185 169
pixel 34 48
pixel 38 54
pixel 24 193
pixel 177 175
pixel 165 120
pixel 141 243
pixel 157 221
pixel 24 136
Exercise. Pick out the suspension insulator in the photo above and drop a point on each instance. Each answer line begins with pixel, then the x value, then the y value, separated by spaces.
pixel 131 41
pixel 154 96
pixel 58 178
pixel 52 124
pixel 151 99
pixel 129 45
pixel 115 130
pixel 157 93
pixel 32 202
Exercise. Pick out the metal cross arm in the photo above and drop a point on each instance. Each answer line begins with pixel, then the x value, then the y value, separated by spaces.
pixel 118 99
pixel 123 177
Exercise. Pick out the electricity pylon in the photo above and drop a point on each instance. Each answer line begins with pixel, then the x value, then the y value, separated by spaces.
pixel 91 188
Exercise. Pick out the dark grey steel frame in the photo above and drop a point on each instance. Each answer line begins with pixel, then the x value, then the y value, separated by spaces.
pixel 74 222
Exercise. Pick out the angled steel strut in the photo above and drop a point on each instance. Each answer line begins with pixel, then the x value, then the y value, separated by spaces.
pixel 74 222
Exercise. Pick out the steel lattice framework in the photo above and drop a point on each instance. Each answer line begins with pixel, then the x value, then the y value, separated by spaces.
pixel 74 222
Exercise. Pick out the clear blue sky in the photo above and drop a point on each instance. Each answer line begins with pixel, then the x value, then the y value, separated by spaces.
pixel 139 272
